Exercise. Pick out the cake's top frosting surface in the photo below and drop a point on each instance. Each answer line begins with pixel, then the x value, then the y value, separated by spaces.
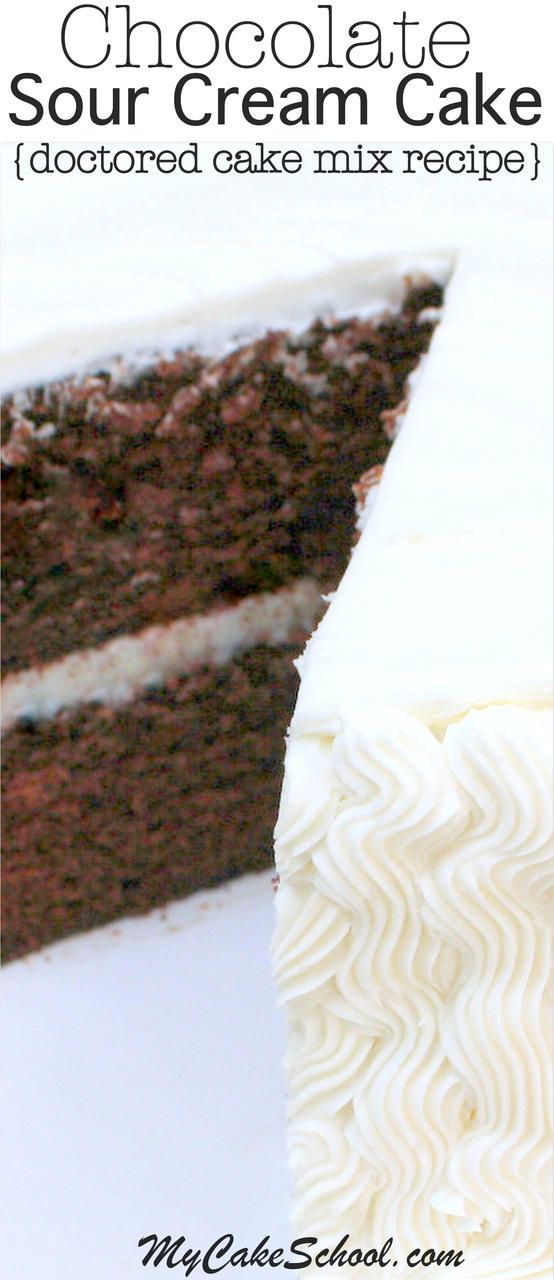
pixel 79 287
pixel 446 602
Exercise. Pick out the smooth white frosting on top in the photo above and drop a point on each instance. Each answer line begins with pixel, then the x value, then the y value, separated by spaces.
pixel 105 265
pixel 446 603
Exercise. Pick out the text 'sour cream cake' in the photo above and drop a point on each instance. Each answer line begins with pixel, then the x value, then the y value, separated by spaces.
pixel 414 843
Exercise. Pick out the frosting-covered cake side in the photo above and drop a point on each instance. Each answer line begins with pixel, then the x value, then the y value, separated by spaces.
pixel 413 956
pixel 413 943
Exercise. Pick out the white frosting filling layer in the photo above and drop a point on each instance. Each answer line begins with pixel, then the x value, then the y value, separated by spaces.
pixel 116 672
pixel 413 956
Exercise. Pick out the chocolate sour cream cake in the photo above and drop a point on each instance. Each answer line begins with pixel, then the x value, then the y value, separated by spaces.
pixel 168 538
pixel 177 526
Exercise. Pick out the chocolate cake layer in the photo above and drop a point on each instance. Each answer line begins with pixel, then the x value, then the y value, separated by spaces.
pixel 109 812
pixel 200 483
pixel 196 486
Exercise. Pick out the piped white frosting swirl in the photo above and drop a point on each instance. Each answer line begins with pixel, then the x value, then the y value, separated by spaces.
pixel 413 955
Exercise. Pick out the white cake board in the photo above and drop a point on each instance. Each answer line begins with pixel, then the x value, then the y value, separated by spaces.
pixel 143 1090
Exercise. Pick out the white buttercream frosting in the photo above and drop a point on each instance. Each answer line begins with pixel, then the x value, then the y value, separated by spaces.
pixel 206 259
pixel 413 957
pixel 413 945
pixel 459 544
pixel 121 669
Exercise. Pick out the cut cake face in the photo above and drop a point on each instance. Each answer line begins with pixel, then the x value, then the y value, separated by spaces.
pixel 168 539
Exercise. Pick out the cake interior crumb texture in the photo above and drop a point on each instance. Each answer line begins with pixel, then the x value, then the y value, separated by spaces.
pixel 201 483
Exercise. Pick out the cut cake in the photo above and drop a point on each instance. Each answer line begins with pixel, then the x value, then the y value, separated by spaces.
pixel 412 949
